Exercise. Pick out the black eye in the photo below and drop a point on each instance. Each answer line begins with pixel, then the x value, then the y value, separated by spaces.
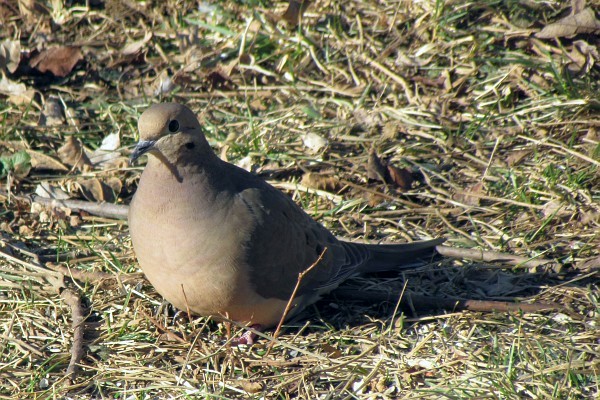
pixel 190 145
pixel 173 126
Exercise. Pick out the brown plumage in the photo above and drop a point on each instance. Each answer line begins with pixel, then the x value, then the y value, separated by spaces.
pixel 220 241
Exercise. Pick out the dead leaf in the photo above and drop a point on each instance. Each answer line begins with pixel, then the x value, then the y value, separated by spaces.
pixel 331 351
pixel 41 161
pixel 218 79
pixel 583 57
pixel 59 60
pixel 53 113
pixel 30 10
pixel 471 196
pixel 401 177
pixel 552 207
pixel 314 142
pixel 46 189
pixel 322 182
pixel 252 387
pixel 592 264
pixel 376 170
pixel 97 191
pixel 137 46
pixel 72 154
pixel 582 22
pixel 515 157
pixel 375 199
pixel 107 153
pixel 380 385
pixel 10 55
pixel 25 231
pixel 132 53
pixel 295 11
pixel 257 105
pixel 75 221
pixel 390 130
pixel 114 184
pixel 578 6
pixel 163 84
pixel 17 92
pixel 367 119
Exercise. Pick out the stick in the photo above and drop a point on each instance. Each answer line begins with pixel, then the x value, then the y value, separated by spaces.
pixel 72 299
pixel 491 256
pixel 108 210
pixel 291 300
pixel 90 276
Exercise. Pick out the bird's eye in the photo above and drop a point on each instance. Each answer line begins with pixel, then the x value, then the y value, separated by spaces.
pixel 173 126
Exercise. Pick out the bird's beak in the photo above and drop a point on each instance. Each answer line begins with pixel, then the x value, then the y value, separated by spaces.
pixel 142 147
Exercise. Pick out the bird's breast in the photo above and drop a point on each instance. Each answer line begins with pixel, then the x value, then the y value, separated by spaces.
pixel 190 246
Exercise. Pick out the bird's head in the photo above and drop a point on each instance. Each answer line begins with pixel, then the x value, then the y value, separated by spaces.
pixel 171 132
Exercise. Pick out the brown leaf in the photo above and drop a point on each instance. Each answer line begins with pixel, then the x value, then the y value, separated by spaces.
pixel 294 12
pixel 17 92
pixel 95 190
pixel 401 177
pixel 322 182
pixel 115 185
pixel 30 10
pixel 593 264
pixel 10 55
pixel 471 196
pixel 252 387
pixel 132 53
pixel 390 130
pixel 578 6
pixel 47 190
pixel 43 161
pixel 71 153
pixel 376 170
pixel 314 142
pixel 52 114
pixel 515 157
pixel 59 60
pixel 375 199
pixel 331 351
pixel 582 22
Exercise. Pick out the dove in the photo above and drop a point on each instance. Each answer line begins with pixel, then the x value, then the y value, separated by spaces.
pixel 216 240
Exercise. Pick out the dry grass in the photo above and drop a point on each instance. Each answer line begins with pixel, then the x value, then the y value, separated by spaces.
pixel 499 127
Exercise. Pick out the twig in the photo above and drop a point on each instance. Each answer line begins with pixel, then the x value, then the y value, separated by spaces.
pixel 493 256
pixel 108 210
pixel 162 329
pixel 72 299
pixel 291 300
pixel 89 276
pixel 187 306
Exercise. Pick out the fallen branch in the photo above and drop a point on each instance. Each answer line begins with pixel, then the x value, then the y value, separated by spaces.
pixel 72 299
pixel 493 256
pixel 91 276
pixel 107 210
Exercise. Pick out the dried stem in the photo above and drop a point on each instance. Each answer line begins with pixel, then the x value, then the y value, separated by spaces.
pixel 301 276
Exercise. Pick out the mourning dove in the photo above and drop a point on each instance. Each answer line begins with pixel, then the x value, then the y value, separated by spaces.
pixel 218 241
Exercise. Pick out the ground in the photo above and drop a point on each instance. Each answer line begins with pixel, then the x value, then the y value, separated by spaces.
pixel 387 121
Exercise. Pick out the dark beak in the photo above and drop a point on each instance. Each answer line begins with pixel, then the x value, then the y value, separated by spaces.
pixel 142 147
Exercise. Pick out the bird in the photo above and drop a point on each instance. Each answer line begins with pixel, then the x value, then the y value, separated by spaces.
pixel 216 240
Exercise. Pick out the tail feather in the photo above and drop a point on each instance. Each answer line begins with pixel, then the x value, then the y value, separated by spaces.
pixel 397 256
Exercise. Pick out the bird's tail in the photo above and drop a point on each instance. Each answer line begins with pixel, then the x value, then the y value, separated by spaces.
pixel 386 257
